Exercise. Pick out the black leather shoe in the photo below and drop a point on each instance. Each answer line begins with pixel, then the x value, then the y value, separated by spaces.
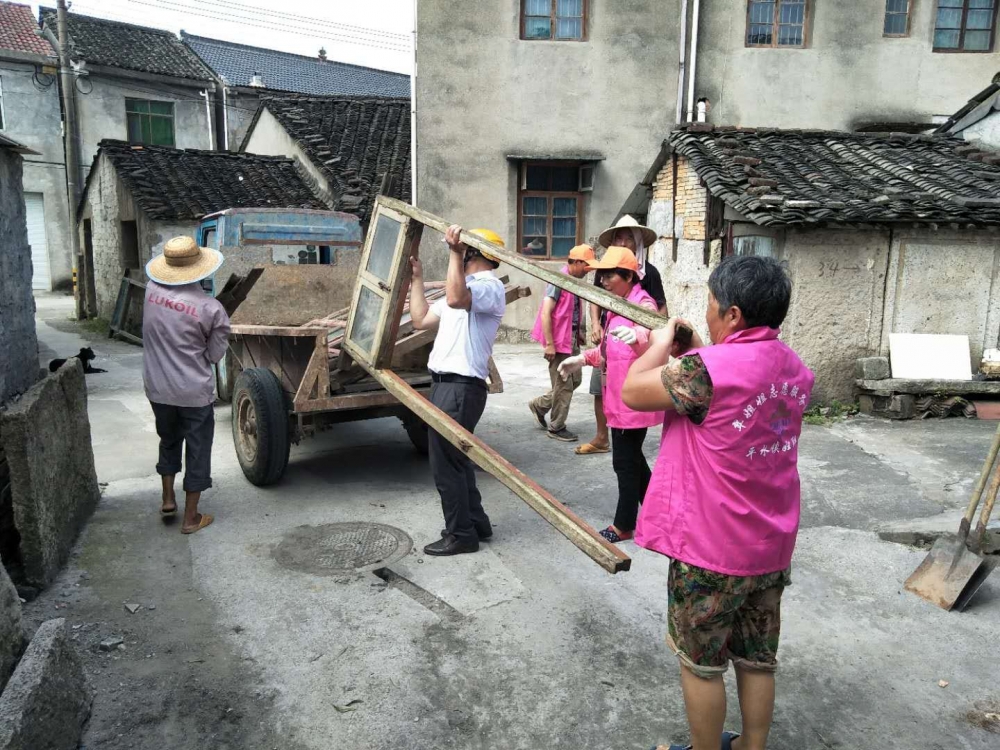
pixel 450 545
pixel 482 537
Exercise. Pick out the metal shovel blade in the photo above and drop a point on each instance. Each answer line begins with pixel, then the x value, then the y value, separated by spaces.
pixel 950 574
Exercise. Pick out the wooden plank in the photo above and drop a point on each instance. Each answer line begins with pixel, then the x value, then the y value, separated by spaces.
pixel 493 380
pixel 245 330
pixel 644 317
pixel 570 525
pixel 318 364
pixel 347 401
pixel 397 299
pixel 945 387
pixel 237 288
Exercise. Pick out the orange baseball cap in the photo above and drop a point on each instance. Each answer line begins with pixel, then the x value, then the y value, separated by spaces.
pixel 616 257
pixel 582 252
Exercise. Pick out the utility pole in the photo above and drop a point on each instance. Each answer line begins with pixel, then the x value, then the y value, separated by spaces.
pixel 67 83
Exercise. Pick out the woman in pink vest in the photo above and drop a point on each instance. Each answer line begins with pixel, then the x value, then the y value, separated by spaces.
pixel 558 330
pixel 723 502
pixel 623 342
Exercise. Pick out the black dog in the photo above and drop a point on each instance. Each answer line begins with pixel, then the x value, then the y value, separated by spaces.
pixel 86 355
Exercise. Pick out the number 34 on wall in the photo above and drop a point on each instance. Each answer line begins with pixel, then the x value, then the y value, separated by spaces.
pixel 831 269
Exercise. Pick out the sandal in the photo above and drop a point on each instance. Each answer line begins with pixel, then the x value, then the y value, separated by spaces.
pixel 727 740
pixel 588 449
pixel 671 747
pixel 614 537
pixel 168 512
pixel 204 521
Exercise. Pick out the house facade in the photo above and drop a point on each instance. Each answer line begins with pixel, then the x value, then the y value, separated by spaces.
pixel 881 234
pixel 138 197
pixel 532 114
pixel 245 74
pixel 30 114
pixel 136 84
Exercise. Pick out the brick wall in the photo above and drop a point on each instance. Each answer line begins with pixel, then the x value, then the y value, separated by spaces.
pixel 691 203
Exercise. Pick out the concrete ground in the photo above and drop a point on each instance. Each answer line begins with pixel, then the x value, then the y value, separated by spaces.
pixel 527 644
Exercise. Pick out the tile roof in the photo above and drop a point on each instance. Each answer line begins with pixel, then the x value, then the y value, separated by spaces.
pixel 122 45
pixel 9 144
pixel 171 183
pixel 17 31
pixel 811 176
pixel 354 142
pixel 282 71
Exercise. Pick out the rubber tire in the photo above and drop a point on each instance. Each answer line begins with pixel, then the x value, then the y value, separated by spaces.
pixel 416 430
pixel 273 445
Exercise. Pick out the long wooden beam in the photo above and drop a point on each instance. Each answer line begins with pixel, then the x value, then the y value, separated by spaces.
pixel 570 525
pixel 589 292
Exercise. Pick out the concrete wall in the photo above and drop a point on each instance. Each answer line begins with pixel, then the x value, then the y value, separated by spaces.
pixel 18 344
pixel 483 93
pixel 32 117
pixel 269 138
pixel 848 72
pixel 45 436
pixel 101 113
pixel 944 282
pixel 986 132
pixel 241 107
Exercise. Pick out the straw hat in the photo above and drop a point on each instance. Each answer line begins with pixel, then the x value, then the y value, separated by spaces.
pixel 183 262
pixel 627 222
pixel 616 257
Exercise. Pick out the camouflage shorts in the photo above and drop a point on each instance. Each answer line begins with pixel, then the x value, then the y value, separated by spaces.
pixel 713 619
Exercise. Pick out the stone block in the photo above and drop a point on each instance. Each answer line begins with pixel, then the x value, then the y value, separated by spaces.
pixel 12 638
pixel 46 438
pixel 871 368
pixel 47 701
pixel 898 406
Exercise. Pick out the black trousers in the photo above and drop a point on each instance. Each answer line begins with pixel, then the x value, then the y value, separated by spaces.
pixel 192 427
pixel 454 474
pixel 633 474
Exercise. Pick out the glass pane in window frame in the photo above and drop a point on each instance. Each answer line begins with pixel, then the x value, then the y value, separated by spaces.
pixel 777 23
pixel 527 232
pixel 965 26
pixel 897 18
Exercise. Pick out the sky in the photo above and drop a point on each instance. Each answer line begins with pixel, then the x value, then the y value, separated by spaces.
pixel 375 33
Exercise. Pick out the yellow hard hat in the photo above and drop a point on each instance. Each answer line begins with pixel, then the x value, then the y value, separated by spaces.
pixel 490 236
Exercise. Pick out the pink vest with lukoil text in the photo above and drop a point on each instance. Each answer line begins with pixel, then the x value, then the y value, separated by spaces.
pixel 562 321
pixel 618 357
pixel 725 494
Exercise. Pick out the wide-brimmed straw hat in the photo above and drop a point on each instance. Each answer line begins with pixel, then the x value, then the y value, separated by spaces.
pixel 616 257
pixel 627 222
pixel 183 262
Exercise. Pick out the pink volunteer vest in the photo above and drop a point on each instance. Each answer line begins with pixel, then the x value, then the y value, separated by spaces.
pixel 619 357
pixel 562 322
pixel 725 494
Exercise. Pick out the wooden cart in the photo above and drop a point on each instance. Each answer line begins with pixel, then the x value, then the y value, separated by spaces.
pixel 289 385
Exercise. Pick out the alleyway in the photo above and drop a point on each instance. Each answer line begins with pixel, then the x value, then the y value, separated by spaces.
pixel 527 644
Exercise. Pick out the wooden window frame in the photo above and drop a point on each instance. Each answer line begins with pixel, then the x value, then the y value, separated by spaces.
pixel 579 195
pixel 909 16
pixel 553 18
pixel 776 25
pixel 172 117
pixel 961 34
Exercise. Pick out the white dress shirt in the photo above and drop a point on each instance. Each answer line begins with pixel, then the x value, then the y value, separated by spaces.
pixel 464 342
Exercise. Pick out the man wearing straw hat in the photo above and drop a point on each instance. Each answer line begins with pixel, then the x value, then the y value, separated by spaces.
pixel 184 332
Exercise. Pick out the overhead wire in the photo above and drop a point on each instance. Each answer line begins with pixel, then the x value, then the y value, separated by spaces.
pixel 221 15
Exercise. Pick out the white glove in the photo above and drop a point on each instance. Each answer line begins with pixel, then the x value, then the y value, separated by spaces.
pixel 570 366
pixel 625 334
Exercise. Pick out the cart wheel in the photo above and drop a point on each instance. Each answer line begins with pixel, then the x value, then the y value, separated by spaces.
pixel 416 429
pixel 260 426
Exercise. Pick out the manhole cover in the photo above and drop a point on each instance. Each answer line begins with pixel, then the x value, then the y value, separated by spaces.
pixel 340 547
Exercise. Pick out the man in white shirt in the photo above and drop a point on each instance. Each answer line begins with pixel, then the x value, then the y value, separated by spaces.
pixel 467 321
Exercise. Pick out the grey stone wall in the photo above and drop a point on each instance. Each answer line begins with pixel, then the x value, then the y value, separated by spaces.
pixel 46 438
pixel 12 640
pixel 848 72
pixel 32 117
pixel 241 107
pixel 18 344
